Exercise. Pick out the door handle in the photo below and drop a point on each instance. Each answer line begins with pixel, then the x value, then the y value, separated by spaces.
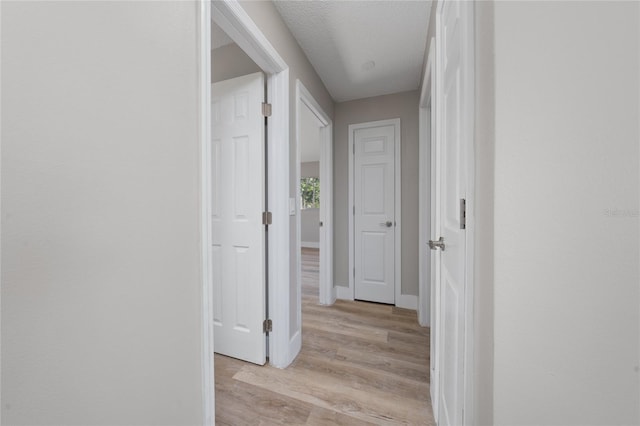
pixel 434 245
pixel 388 224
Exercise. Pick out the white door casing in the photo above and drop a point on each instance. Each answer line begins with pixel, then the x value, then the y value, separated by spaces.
pixel 374 212
pixel 327 294
pixel 453 168
pixel 238 235
pixel 435 277
pixel 429 218
pixel 204 90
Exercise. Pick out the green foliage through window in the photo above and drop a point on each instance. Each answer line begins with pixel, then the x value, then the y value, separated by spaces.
pixel 310 192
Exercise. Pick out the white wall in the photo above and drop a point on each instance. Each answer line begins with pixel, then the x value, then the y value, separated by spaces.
pixel 399 105
pixel 566 213
pixel 100 214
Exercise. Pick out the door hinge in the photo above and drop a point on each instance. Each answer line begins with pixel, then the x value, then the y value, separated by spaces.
pixel 267 326
pixel 266 218
pixel 463 213
pixel 266 109
pixel 354 210
pixel 354 272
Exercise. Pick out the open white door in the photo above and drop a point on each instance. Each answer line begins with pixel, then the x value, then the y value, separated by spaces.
pixel 238 186
pixel 374 211
pixel 454 94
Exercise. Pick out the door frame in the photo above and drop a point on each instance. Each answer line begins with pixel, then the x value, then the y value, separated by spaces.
pixel 468 9
pixel 235 21
pixel 429 290
pixel 427 122
pixel 348 293
pixel 206 241
pixel 231 17
pixel 327 295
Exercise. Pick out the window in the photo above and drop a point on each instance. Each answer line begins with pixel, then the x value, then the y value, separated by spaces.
pixel 310 192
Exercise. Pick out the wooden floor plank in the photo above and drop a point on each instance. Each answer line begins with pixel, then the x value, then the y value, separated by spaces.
pixel 337 394
pixel 247 404
pixel 342 328
pixel 365 376
pixel 360 364
pixel 388 322
pixel 400 351
pixel 383 362
pixel 323 417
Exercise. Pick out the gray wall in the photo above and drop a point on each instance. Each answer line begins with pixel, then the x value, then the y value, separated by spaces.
pixel 484 213
pixel 100 211
pixel 566 213
pixel 267 18
pixel 310 218
pixel 230 61
pixel 403 106
pixel 310 169
pixel 309 223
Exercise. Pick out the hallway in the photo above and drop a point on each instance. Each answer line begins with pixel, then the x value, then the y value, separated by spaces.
pixel 360 364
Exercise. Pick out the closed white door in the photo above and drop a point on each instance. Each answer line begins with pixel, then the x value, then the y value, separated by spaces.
pixel 454 97
pixel 374 213
pixel 238 185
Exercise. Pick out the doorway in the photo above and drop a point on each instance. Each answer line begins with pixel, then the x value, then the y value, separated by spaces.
pixel 241 29
pixel 375 205
pixel 236 25
pixel 314 222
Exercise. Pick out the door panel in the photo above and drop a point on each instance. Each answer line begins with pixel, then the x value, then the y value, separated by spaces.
pixel 452 123
pixel 238 185
pixel 374 180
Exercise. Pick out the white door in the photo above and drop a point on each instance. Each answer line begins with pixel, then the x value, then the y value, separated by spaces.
pixel 374 212
pixel 238 185
pixel 453 132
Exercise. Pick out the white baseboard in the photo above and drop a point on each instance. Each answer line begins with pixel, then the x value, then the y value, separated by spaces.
pixel 309 244
pixel 343 293
pixel 407 301
pixel 295 345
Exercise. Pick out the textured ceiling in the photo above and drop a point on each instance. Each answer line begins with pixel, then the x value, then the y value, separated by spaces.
pixel 343 38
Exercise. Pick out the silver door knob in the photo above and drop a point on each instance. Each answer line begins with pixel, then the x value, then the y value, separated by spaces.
pixel 388 224
pixel 434 245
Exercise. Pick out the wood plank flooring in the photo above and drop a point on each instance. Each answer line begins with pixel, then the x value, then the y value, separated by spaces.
pixel 360 364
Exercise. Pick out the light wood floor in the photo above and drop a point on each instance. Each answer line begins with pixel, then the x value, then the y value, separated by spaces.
pixel 360 364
